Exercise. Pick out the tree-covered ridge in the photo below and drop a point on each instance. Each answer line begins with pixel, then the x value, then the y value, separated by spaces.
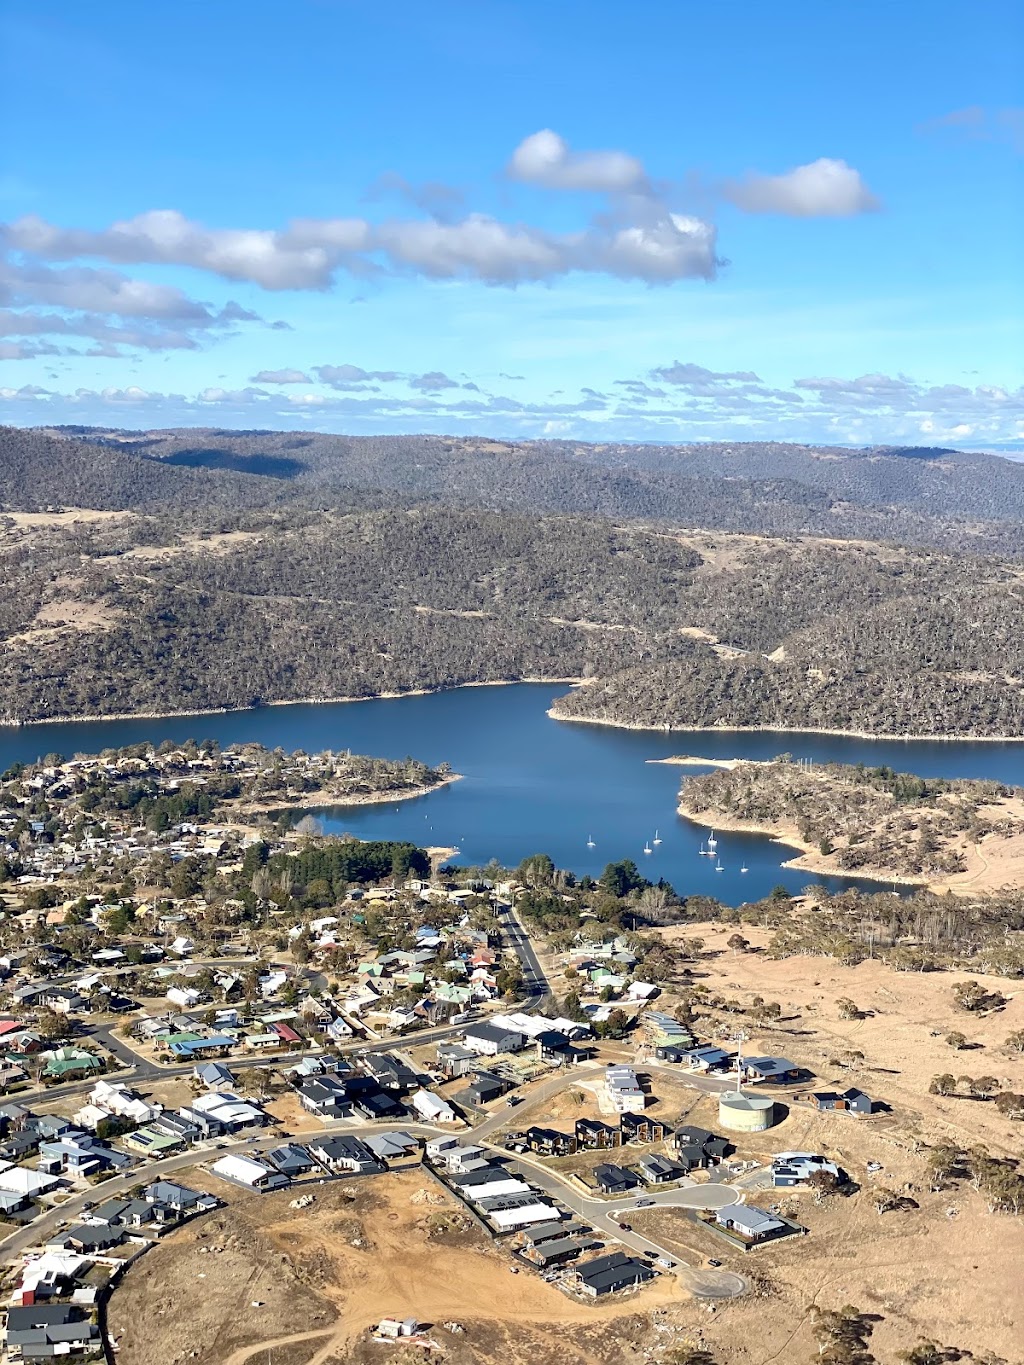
pixel 237 601
pixel 136 613
pixel 945 498
pixel 860 819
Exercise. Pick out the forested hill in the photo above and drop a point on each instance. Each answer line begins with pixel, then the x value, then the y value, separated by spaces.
pixel 106 613
pixel 208 570
pixel 920 496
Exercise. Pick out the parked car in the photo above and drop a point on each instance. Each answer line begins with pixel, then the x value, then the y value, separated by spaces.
pixel 645 1203
pixel 712 1261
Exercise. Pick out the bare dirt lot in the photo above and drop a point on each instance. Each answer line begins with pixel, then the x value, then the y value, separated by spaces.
pixel 905 1018
pixel 367 1249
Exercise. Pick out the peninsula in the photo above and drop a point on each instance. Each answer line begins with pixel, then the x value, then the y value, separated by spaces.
pixel 957 835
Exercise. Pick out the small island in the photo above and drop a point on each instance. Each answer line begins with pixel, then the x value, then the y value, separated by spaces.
pixel 965 836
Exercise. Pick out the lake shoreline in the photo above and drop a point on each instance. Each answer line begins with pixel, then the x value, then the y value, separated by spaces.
pixel 320 801
pixel 808 858
pixel 782 730
pixel 288 701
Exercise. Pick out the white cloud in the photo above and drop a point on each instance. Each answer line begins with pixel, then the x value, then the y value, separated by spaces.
pixel 303 256
pixel 546 159
pixel 825 188
pixel 700 403
pixel 353 376
pixel 478 247
pixel 433 382
pixel 690 375
pixel 280 377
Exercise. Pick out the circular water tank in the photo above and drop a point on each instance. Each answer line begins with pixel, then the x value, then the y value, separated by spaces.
pixel 745 1113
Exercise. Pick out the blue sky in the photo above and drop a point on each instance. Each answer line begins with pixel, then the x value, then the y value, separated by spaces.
pixel 664 222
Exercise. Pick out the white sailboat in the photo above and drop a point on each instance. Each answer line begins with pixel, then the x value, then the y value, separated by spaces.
pixel 656 840
pixel 744 868
pixel 719 867
pixel 648 849
pixel 712 842
pixel 590 841
pixel 703 850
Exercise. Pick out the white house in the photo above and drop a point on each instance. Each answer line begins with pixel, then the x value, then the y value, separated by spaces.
pixel 182 946
pixel 243 1170
pixel 432 1108
pixel 185 997
pixel 505 1220
pixel 624 1091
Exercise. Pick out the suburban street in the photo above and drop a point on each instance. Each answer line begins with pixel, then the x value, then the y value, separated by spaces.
pixel 604 1215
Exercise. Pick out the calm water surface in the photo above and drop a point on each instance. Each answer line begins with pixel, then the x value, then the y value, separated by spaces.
pixel 532 784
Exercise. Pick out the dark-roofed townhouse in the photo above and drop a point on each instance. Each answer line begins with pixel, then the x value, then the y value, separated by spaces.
pixel 594 1136
pixel 615 1179
pixel 340 1152
pixel 550 1142
pixel 49 1331
pixel 611 1273
pixel 640 1128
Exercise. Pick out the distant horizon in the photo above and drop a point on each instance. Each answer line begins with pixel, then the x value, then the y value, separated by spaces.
pixel 1012 450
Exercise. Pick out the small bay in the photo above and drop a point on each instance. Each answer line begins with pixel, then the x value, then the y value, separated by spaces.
pixel 532 784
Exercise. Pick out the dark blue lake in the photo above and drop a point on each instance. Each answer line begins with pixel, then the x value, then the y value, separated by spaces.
pixel 536 785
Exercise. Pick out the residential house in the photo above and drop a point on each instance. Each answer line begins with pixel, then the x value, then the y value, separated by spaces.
pixel 659 1170
pixel 749 1222
pixel 614 1179
pixel 778 1070
pixel 326 1096
pixel 518 1216
pixel 610 1273
pixel 179 1198
pixel 488 1039
pixel 851 1101
pixel 214 1075
pixel 707 1059
pixel 623 1089
pixel 550 1142
pixel 640 1128
pixel 431 1108
pixel 291 1160
pixel 455 1060
pixel 697 1148
pixel 797 1168
pixel 394 1146
pixel 344 1153
pixel 248 1172
pixel 47 1331
pixel 594 1136
pixel 483 1089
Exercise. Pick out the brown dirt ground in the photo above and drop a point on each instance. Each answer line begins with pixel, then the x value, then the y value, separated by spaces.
pixel 902 1036
pixel 364 1251
pixel 956 1281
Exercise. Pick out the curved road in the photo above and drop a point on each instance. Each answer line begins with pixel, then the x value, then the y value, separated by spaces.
pixel 604 1215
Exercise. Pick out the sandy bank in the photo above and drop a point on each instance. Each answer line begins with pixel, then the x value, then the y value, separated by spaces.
pixel 555 714
pixel 322 801
pixel 694 761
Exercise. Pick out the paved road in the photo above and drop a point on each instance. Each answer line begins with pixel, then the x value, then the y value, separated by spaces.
pixel 537 985
pixel 36 1232
pixel 603 1215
